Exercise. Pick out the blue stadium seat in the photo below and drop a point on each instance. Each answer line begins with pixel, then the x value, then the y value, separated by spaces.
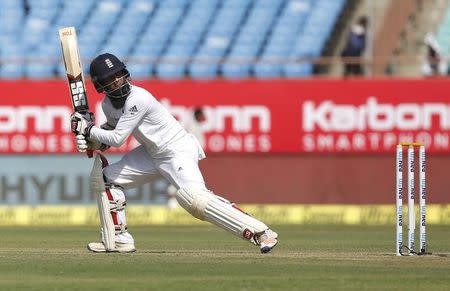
pixel 74 13
pixel 169 70
pixel 203 70
pixel 148 50
pixel 267 70
pixel 299 70
pixel 252 36
pixel 39 71
pixel 11 71
pixel 11 20
pixel 236 67
pixel 236 3
pixel 11 4
pixel 270 64
pixel 13 53
pixel 173 62
pixel 174 3
pixel 235 71
pixel 129 25
pixel 61 72
pixel 248 35
pixel 118 51
pixel 36 29
pixel 139 71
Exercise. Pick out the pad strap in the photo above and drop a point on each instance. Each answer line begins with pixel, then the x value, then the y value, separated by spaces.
pixel 122 228
pixel 117 205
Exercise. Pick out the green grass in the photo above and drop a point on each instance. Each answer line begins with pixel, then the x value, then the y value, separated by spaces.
pixel 205 258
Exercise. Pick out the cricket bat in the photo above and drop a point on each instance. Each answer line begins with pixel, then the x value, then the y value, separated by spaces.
pixel 74 71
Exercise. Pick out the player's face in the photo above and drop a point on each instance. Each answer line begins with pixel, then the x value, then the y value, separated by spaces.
pixel 114 82
pixel 117 88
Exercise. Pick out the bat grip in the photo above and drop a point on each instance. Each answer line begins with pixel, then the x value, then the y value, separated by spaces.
pixel 90 153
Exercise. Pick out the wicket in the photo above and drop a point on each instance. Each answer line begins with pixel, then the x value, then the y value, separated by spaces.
pixel 411 194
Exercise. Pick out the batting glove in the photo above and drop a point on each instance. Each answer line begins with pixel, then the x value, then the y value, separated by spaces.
pixel 83 144
pixel 82 123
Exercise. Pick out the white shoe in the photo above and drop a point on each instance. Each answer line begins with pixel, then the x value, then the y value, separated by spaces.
pixel 99 247
pixel 267 240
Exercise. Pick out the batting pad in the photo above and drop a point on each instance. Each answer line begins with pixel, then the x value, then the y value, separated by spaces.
pixel 204 205
pixel 98 187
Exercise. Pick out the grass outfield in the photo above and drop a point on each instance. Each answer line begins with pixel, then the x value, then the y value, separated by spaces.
pixel 205 258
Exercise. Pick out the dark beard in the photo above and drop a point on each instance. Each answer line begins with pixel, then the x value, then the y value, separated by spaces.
pixel 119 96
pixel 118 102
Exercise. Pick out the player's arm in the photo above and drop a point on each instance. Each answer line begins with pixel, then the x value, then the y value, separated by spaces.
pixel 89 136
pixel 133 114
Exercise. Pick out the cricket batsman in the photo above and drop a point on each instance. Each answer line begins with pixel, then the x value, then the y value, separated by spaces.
pixel 165 148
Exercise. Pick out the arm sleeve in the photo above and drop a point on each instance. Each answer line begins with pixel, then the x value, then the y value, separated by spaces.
pixel 134 111
pixel 107 126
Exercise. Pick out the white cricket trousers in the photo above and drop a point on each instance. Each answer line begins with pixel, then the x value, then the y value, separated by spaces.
pixel 178 164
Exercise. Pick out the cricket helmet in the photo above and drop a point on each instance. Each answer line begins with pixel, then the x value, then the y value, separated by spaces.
pixel 110 75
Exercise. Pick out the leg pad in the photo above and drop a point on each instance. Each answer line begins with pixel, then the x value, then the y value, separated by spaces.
pixel 204 205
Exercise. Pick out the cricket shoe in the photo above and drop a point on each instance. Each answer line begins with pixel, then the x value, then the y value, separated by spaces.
pixel 99 247
pixel 267 240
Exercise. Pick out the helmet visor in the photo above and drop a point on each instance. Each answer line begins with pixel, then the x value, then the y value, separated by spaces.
pixel 115 86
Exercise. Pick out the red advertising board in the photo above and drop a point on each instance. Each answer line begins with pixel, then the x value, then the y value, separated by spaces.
pixel 251 116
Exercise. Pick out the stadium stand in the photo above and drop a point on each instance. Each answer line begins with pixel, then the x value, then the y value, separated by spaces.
pixel 170 39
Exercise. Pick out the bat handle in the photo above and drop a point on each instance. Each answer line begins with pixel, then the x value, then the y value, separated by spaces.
pixel 90 153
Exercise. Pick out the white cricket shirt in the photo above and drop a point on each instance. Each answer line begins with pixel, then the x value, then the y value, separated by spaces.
pixel 142 116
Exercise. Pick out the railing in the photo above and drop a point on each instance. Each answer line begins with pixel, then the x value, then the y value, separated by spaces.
pixel 331 66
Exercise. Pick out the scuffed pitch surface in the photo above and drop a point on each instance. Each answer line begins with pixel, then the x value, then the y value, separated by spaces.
pixel 206 258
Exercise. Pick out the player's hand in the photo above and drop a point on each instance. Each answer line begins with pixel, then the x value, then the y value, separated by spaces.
pixel 82 123
pixel 81 143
